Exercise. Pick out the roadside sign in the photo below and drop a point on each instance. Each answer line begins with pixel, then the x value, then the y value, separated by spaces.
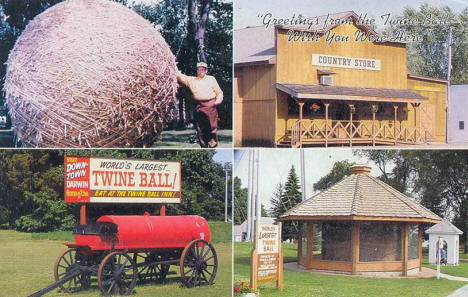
pixel 267 256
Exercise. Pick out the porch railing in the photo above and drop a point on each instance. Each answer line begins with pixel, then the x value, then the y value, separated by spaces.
pixel 355 132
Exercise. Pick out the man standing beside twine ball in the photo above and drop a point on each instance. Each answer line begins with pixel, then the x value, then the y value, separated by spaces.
pixel 208 94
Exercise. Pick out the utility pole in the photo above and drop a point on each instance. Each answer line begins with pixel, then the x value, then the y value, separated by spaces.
pixel 259 188
pixel 449 73
pixel 226 197
pixel 249 197
pixel 303 189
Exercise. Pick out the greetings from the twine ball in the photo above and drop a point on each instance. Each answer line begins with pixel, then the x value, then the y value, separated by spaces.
pixel 90 73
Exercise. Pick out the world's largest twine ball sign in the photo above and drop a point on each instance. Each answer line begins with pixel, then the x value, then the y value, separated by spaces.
pixel 90 73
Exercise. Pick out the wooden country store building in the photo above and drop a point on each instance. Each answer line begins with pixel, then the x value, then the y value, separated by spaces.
pixel 361 225
pixel 292 93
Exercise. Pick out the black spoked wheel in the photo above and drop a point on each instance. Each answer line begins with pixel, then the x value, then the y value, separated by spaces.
pixel 117 274
pixel 198 264
pixel 148 268
pixel 67 264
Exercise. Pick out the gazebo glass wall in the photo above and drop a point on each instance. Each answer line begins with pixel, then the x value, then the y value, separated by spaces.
pixel 379 242
pixel 360 246
pixel 413 242
pixel 332 241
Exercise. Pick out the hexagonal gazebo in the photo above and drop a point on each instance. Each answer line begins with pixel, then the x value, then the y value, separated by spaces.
pixel 361 225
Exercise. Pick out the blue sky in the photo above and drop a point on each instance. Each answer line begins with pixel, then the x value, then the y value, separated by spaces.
pixel 276 163
pixel 223 155
pixel 246 11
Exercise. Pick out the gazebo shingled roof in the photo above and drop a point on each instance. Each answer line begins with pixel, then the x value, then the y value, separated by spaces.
pixel 361 197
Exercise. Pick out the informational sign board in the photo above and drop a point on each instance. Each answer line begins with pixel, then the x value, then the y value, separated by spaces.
pixel 267 256
pixel 345 62
pixel 105 180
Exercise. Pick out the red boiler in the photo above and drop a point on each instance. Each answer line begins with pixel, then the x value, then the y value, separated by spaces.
pixel 121 250
pixel 141 232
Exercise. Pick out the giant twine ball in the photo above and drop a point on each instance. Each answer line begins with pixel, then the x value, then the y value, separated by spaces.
pixel 90 73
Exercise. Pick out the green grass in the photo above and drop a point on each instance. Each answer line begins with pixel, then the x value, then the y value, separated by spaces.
pixel 221 232
pixel 460 270
pixel 26 266
pixel 306 284
pixel 463 256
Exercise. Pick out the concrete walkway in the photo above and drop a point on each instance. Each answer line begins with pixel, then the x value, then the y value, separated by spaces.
pixel 463 291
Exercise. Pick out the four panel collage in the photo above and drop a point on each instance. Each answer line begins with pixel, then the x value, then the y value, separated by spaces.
pixel 233 148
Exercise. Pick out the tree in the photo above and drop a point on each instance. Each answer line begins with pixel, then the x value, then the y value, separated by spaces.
pixel 442 185
pixel 429 57
pixel 240 202
pixel 396 167
pixel 189 27
pixel 31 187
pixel 340 170
pixel 284 198
pixel 277 205
pixel 438 179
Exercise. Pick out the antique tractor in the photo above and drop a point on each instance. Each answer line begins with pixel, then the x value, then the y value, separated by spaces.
pixel 119 251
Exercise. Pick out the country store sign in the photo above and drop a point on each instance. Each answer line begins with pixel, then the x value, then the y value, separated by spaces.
pixel 103 180
pixel 345 62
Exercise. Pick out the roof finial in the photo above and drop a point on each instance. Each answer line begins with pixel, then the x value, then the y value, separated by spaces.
pixel 360 169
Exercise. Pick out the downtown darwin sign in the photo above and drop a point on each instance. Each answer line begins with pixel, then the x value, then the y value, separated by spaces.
pixel 105 180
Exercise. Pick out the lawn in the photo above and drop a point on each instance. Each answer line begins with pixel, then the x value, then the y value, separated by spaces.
pixel 27 261
pixel 460 270
pixel 319 285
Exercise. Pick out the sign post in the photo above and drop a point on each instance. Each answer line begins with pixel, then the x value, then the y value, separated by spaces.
pixel 267 256
pixel 440 246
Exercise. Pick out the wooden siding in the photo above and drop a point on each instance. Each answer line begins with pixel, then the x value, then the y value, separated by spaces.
pixel 331 265
pixel 436 92
pixel 294 60
pixel 254 105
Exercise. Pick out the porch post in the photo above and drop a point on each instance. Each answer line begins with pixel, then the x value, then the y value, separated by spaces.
pixel 301 105
pixel 417 124
pixel 351 110
pixel 355 246
pixel 374 110
pixel 326 123
pixel 404 249
pixel 395 113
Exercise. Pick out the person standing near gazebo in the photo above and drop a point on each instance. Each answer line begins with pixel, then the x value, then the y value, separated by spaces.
pixel 208 94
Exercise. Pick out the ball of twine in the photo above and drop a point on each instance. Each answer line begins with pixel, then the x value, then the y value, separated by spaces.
pixel 90 73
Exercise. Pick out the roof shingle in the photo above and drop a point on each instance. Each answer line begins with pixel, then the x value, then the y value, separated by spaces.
pixel 361 195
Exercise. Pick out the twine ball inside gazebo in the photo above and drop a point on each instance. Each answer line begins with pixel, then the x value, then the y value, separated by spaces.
pixel 90 73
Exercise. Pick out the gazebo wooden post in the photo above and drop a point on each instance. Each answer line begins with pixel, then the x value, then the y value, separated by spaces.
pixel 310 244
pixel 395 118
pixel 326 123
pixel 355 245
pixel 404 249
pixel 420 236
pixel 374 110
pixel 299 246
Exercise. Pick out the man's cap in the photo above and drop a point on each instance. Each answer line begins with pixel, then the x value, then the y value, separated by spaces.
pixel 202 64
